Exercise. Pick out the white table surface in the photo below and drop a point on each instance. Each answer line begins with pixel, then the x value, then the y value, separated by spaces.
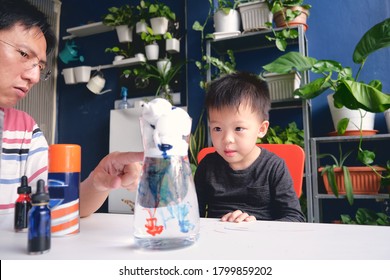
pixel 109 237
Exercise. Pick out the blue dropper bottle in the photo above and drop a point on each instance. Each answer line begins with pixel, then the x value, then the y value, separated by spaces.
pixel 39 221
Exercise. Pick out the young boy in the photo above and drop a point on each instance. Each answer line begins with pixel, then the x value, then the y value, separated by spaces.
pixel 241 181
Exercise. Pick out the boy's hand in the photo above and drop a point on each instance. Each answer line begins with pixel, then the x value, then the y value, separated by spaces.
pixel 237 217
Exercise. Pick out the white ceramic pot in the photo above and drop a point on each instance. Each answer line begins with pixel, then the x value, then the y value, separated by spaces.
pixel 353 116
pixel 152 51
pixel 227 22
pixel 172 45
pixel 164 65
pixel 140 27
pixel 125 33
pixel 82 74
pixel 69 77
pixel 159 25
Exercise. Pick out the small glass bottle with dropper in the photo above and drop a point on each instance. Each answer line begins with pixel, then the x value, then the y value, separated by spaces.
pixel 22 205
pixel 39 221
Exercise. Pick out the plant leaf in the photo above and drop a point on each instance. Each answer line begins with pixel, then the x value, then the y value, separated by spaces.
pixel 348 185
pixel 289 62
pixel 377 37
pixel 332 180
pixel 354 95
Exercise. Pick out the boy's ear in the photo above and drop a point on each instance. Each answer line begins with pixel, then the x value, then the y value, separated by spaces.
pixel 263 129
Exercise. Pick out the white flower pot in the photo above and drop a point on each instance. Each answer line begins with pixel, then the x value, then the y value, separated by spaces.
pixel 227 22
pixel 125 33
pixel 254 15
pixel 353 116
pixel 172 45
pixel 140 27
pixel 152 51
pixel 387 117
pixel 69 77
pixel 82 74
pixel 164 65
pixel 282 86
pixel 159 25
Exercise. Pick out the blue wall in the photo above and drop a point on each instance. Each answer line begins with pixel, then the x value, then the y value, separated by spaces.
pixel 334 29
pixel 83 117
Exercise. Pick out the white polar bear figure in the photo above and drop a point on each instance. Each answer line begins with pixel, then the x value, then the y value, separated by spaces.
pixel 165 129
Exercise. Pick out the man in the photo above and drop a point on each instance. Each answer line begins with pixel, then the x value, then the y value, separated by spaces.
pixel 25 40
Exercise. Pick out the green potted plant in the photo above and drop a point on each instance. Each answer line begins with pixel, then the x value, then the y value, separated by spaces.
pixel 254 14
pixel 348 91
pixel 226 17
pixel 120 52
pixel 151 46
pixel 164 75
pixel 142 16
pixel 160 15
pixel 287 13
pixel 123 19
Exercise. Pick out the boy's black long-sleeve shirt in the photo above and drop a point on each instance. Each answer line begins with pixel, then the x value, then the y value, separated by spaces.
pixel 264 189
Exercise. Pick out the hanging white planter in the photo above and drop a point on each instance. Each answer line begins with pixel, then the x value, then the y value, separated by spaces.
pixel 159 25
pixel 125 33
pixel 140 27
pixel 227 22
pixel 172 45
pixel 152 51
pixel 353 116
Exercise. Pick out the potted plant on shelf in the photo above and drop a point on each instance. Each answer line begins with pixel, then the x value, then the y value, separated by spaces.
pixel 119 52
pixel 341 179
pixel 172 45
pixel 123 19
pixel 287 13
pixel 164 73
pixel 254 14
pixel 226 17
pixel 142 16
pixel 160 15
pixel 151 46
pixel 348 91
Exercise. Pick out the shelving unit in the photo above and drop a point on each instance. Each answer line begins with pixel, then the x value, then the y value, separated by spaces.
pixel 318 197
pixel 256 41
pixel 97 28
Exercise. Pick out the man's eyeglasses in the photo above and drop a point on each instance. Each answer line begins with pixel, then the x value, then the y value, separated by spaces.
pixel 28 60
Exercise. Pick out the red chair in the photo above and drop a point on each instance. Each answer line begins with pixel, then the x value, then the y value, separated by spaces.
pixel 293 155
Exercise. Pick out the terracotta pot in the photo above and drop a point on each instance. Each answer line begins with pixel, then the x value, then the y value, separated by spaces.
pixel 301 19
pixel 364 180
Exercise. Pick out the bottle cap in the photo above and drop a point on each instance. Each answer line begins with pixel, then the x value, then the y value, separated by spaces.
pixel 24 187
pixel 41 196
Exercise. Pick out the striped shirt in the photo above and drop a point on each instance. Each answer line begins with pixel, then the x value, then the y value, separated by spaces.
pixel 24 151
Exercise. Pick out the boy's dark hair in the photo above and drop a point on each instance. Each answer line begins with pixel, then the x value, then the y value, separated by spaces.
pixel 234 89
pixel 21 11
